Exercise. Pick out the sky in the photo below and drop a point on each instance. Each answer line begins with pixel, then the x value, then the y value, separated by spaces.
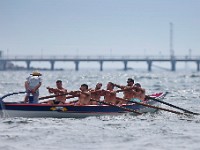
pixel 99 27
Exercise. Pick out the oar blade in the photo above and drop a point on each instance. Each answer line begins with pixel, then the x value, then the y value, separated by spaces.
pixel 14 93
pixel 171 105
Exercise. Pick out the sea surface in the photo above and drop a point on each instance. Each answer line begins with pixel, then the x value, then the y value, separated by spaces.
pixel 158 131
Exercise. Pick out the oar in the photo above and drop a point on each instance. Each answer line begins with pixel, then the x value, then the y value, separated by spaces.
pixel 151 106
pixel 68 97
pixel 126 89
pixel 110 104
pixel 171 105
pixel 9 94
pixel 51 96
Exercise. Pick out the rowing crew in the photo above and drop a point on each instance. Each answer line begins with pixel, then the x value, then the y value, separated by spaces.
pixel 86 96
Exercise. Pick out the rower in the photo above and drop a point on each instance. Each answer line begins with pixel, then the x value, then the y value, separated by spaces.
pixel 110 94
pixel 96 93
pixel 127 90
pixel 57 91
pixel 139 94
pixel 84 95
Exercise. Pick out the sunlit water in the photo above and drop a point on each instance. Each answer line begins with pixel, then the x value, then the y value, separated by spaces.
pixel 158 131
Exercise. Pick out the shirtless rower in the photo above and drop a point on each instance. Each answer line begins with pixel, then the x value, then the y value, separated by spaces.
pixel 84 95
pixel 139 92
pixel 127 90
pixel 96 93
pixel 110 94
pixel 57 91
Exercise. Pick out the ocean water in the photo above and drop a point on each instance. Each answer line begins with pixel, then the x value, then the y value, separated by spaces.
pixel 158 131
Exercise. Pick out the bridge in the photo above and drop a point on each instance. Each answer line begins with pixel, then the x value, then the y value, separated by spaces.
pixel 101 59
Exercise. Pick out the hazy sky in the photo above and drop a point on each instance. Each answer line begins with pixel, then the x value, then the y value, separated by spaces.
pixel 99 27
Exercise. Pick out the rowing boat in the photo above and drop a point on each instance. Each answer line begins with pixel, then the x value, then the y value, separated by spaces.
pixel 11 109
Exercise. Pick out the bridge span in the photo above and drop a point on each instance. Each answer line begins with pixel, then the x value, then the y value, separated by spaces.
pixel 101 59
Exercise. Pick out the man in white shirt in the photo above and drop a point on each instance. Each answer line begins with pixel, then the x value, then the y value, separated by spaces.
pixel 32 85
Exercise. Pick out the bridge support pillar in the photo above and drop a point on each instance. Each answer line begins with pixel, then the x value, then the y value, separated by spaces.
pixel 149 62
pixel 198 65
pixel 28 62
pixel 101 65
pixel 3 65
pixel 125 65
pixel 76 65
pixel 52 64
pixel 173 63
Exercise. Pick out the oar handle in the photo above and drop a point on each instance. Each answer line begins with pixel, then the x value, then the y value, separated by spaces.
pixel 128 89
pixel 122 90
pixel 72 96
pixel 51 96
pixel 68 97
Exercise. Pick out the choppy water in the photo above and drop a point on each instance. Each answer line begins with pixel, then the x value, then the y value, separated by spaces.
pixel 159 131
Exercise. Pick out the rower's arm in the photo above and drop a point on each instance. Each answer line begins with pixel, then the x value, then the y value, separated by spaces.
pixel 119 86
pixel 74 93
pixel 61 91
pixel 52 90
pixel 86 93
pixel 96 91
pixel 111 92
